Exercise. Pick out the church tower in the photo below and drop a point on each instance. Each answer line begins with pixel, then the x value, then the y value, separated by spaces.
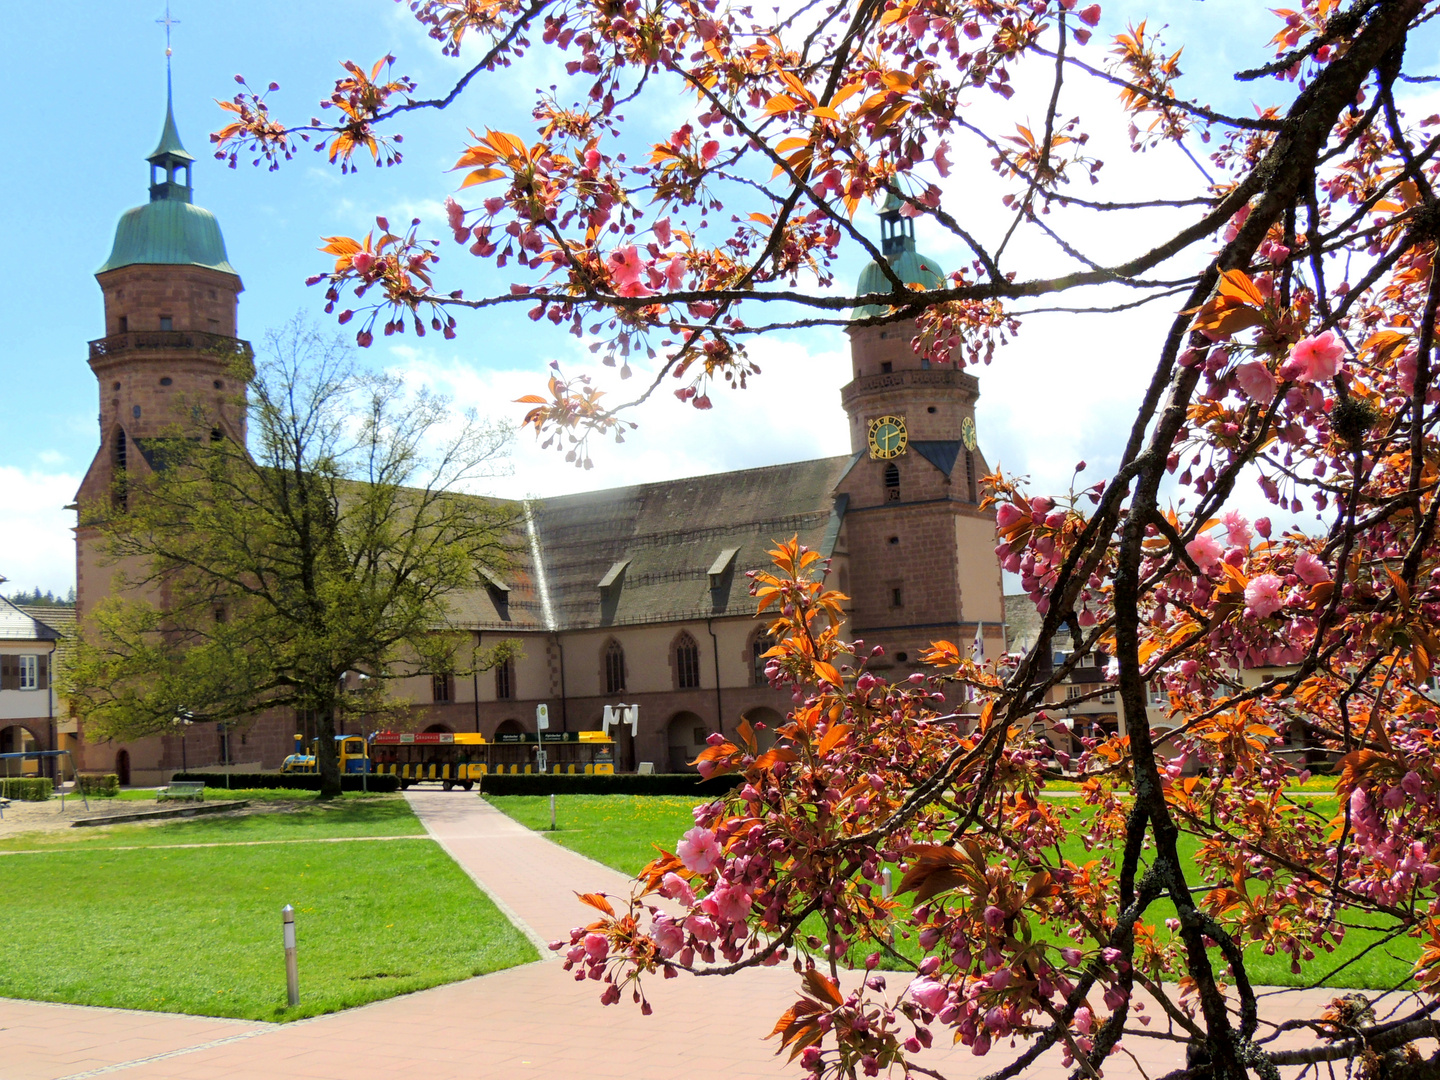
pixel 169 362
pixel 169 356
pixel 921 553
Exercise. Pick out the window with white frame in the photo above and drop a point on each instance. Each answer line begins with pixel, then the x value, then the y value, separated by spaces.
pixel 29 672
pixel 1074 692
pixel 1158 697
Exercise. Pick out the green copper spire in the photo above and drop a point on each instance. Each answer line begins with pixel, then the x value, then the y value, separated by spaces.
pixel 897 245
pixel 170 230
pixel 170 144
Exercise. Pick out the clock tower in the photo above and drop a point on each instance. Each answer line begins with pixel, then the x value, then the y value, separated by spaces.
pixel 921 553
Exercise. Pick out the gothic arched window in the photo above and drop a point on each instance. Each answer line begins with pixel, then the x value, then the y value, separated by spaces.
pixel 119 487
pixel 763 644
pixel 687 662
pixel 614 660
pixel 505 680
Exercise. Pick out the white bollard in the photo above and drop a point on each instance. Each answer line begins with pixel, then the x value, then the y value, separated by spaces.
pixel 885 886
pixel 292 966
pixel 552 813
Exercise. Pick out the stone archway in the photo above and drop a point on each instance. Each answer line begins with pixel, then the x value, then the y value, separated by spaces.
pixel 685 736
pixel 765 721
pixel 509 727
pixel 440 728
pixel 17 738
pixel 122 767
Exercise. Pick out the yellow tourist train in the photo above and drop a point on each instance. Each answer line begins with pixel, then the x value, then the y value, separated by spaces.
pixel 349 748
pixel 459 759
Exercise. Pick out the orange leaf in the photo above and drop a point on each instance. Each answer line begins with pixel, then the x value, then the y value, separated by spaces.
pixel 597 901
pixel 833 738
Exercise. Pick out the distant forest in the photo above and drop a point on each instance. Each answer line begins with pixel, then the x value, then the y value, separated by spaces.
pixel 35 598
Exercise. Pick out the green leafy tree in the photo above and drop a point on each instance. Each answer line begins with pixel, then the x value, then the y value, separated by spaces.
pixel 274 576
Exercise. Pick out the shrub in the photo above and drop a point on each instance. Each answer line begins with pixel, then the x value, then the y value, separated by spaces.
pixel 289 781
pixel 104 784
pixel 619 784
pixel 26 789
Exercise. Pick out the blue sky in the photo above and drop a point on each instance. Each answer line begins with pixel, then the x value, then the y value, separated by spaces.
pixel 92 107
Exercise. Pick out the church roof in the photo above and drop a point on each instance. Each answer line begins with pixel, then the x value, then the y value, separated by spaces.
pixel 910 267
pixel 897 245
pixel 171 233
pixel 654 545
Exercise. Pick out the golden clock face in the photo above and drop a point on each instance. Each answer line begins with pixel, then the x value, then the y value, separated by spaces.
pixel 888 437
pixel 967 433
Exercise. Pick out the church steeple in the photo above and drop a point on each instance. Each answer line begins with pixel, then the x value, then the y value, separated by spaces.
pixel 170 161
pixel 897 233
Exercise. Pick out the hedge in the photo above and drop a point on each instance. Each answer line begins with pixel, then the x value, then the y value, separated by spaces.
pixel 99 783
pixel 26 789
pixel 291 781
pixel 618 784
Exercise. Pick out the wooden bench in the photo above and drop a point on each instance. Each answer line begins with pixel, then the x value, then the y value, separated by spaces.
pixel 184 790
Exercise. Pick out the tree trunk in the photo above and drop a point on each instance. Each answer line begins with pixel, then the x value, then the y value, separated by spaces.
pixel 326 759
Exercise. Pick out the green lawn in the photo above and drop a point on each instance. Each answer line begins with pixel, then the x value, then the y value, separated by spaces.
pixel 197 930
pixel 376 815
pixel 620 830
pixel 617 830
pixel 211 794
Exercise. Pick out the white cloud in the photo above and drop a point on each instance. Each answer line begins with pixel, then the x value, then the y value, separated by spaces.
pixel 791 413
pixel 37 548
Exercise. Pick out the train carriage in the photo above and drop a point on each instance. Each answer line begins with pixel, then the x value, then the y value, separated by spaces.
pixel 461 759
pixel 570 752
pixel 455 760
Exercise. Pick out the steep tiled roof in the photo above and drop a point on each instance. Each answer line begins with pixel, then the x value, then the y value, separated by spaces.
pixel 667 536
pixel 20 624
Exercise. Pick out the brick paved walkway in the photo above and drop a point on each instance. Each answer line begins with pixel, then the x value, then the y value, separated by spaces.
pixel 533 1021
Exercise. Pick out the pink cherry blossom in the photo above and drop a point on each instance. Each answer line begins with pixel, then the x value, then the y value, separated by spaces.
pixel 1237 527
pixel 1314 359
pixel 455 217
pixel 1309 569
pixel 1406 368
pixel 703 927
pixel 1205 550
pixel 675 273
pixel 732 903
pixel 661 229
pixel 942 161
pixel 699 851
pixel 625 268
pixel 1262 595
pixel 1257 382
pixel 674 887
pixel 929 994
pixel 1007 514
pixel 363 262
pixel 596 946
pixel 668 934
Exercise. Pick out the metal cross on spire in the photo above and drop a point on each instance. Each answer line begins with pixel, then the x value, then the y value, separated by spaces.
pixel 167 22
